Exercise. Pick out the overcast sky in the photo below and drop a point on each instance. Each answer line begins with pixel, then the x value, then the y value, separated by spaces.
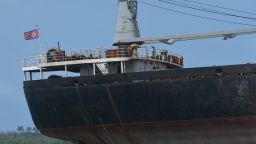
pixel 90 23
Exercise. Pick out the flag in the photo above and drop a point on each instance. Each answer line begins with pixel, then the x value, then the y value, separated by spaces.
pixel 31 34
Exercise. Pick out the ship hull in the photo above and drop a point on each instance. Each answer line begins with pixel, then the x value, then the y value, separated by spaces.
pixel 199 105
pixel 238 130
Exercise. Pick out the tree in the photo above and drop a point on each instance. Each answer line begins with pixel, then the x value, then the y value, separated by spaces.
pixel 20 129
pixel 28 129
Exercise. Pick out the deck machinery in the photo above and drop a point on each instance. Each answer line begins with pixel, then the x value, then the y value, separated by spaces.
pixel 135 94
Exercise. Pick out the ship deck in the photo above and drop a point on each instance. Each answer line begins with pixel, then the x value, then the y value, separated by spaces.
pixel 72 61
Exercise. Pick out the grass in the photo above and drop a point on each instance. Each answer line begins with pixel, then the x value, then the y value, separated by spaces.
pixel 28 138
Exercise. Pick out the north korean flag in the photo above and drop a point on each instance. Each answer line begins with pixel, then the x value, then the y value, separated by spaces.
pixel 31 34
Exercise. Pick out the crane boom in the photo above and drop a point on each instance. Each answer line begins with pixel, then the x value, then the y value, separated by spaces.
pixel 175 38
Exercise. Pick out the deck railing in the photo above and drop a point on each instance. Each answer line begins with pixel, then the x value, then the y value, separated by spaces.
pixel 56 55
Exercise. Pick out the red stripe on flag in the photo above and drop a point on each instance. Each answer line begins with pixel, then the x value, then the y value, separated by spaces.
pixel 31 34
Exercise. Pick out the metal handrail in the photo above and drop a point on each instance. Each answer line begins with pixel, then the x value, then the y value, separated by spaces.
pixel 144 52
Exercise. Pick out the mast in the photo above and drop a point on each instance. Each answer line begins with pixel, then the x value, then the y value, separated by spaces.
pixel 126 22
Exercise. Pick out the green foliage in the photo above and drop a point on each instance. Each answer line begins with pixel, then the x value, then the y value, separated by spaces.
pixel 27 138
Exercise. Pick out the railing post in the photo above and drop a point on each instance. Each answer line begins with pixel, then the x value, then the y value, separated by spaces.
pixel 25 76
pixel 41 74
pixel 66 71
pixel 94 69
pixel 122 67
pixel 30 75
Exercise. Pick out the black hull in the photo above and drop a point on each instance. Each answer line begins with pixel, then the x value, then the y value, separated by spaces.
pixel 199 105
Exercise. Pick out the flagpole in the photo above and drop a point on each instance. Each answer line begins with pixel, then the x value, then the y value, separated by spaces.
pixel 40 60
pixel 39 38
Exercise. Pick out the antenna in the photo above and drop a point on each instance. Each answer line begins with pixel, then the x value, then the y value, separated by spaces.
pixel 58 45
pixel 126 22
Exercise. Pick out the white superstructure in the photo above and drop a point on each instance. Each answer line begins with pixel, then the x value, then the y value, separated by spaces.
pixel 97 61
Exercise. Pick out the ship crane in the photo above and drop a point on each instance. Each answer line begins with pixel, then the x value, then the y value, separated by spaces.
pixel 175 38
pixel 127 31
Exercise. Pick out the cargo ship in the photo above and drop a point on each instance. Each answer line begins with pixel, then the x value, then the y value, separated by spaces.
pixel 133 93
